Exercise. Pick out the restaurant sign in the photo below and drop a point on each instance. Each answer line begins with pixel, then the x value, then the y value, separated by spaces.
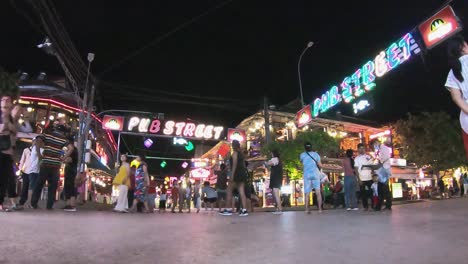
pixel 362 80
pixel 113 122
pixel 439 27
pixel 304 116
pixel 236 134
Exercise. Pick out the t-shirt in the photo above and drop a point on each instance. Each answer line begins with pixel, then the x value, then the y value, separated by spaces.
pixel 452 82
pixel 163 197
pixel 33 161
pixel 375 189
pixel 311 170
pixel 221 180
pixel 152 187
pixel 365 174
pixel 210 192
pixel 54 142
pixel 348 168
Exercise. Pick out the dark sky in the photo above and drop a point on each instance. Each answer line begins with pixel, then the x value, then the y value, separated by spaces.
pixel 240 51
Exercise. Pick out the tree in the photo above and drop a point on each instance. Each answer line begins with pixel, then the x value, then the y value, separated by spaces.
pixel 8 84
pixel 431 139
pixel 290 151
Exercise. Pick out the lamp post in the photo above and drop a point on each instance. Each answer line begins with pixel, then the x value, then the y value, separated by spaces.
pixel 310 44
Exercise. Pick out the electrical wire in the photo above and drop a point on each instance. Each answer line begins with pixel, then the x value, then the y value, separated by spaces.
pixel 162 37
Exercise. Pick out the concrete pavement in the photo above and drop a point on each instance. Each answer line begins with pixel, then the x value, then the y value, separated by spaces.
pixel 431 232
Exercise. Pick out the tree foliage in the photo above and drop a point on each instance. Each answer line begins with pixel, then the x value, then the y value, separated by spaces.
pixel 290 151
pixel 8 84
pixel 433 139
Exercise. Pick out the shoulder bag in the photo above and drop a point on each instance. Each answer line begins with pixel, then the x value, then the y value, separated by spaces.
pixel 323 176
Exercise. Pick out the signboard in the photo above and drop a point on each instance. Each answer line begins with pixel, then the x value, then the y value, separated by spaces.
pixel 200 173
pixel 200 163
pixel 173 128
pixel 362 80
pixel 236 134
pixel 103 158
pixel 397 190
pixel 113 122
pixel 398 162
pixel 304 116
pixel 439 27
pixel 363 105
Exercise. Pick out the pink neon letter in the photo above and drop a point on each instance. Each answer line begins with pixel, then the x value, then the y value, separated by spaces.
pixel 169 128
pixel 155 126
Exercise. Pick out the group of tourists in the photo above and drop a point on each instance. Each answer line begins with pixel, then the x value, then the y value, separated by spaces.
pixel 40 163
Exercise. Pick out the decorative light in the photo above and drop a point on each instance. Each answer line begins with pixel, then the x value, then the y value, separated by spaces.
pixel 163 164
pixel 51 117
pixel 60 115
pixel 29 109
pixel 148 143
pixel 43 123
pixel 185 165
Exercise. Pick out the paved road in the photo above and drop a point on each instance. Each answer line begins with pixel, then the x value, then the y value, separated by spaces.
pixel 431 232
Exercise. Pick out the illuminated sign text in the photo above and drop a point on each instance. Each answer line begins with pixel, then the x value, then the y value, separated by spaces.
pixel 439 27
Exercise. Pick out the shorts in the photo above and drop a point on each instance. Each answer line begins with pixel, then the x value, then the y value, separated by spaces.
pixel 210 200
pixel 309 184
pixel 222 194
pixel 33 179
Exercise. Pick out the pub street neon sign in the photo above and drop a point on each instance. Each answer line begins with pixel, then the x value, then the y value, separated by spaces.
pixel 172 128
pixel 363 79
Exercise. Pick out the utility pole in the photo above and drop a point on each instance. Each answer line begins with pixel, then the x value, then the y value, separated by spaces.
pixel 266 114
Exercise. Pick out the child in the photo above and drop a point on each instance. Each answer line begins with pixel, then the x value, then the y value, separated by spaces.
pixel 162 199
pixel 375 192
pixel 209 194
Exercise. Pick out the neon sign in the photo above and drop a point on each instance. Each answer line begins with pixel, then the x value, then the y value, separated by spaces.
pixel 363 80
pixel 236 134
pixel 361 106
pixel 112 122
pixel 172 128
pixel 200 173
pixel 439 27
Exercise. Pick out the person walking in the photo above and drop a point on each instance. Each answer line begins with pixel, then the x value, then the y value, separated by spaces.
pixel 51 161
pixel 71 169
pixel 152 195
pixel 383 154
pixel 221 185
pixel 364 175
pixel 238 180
pixel 350 181
pixel 162 199
pixel 464 183
pixel 31 170
pixel 197 196
pixel 122 179
pixel 141 185
pixel 276 178
pixel 174 195
pixel 312 164
pixel 457 81
pixel 24 165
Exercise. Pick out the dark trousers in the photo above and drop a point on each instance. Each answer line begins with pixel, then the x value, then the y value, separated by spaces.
pixel 51 175
pixel 339 199
pixel 384 193
pixel 7 177
pixel 69 186
pixel 130 197
pixel 24 188
pixel 366 194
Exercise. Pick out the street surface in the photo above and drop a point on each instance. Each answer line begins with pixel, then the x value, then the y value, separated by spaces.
pixel 429 232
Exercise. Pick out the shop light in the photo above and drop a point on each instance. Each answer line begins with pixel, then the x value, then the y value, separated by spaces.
pixel 43 123
pixel 30 109
pixel 60 115
pixel 51 117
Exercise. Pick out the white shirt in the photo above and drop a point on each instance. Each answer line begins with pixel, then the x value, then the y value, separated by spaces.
pixel 384 156
pixel 34 161
pixel 375 189
pixel 273 162
pixel 453 83
pixel 25 160
pixel 365 174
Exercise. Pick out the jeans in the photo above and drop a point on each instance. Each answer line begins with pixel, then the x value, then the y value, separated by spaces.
pixel 350 191
pixel 51 175
pixel 366 194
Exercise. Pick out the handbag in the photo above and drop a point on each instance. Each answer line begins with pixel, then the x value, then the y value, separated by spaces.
pixel 5 142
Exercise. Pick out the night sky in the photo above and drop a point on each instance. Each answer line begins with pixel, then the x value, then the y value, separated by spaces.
pixel 224 62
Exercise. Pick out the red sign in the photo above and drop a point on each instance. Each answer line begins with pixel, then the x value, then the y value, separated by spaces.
pixel 304 116
pixel 113 122
pixel 236 134
pixel 439 27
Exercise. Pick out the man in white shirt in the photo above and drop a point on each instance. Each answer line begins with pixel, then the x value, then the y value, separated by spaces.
pixel 31 169
pixel 383 155
pixel 365 174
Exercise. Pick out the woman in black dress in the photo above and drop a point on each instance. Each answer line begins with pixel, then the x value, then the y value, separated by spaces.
pixel 276 178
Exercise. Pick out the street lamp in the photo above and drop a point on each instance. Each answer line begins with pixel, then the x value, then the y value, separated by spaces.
pixel 310 44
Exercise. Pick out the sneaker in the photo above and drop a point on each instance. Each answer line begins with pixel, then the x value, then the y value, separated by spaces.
pixel 14 208
pixel 70 209
pixel 348 209
pixel 244 213
pixel 355 209
pixel 225 212
pixel 277 212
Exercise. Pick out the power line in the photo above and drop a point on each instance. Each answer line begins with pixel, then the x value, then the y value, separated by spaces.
pixel 162 37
